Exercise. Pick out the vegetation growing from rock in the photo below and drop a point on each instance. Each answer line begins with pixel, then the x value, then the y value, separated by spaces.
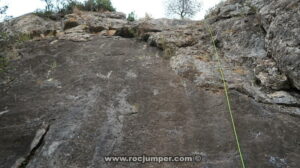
pixel 3 9
pixel 3 63
pixel 49 5
pixel 97 5
pixel 131 17
pixel 57 9
pixel 7 45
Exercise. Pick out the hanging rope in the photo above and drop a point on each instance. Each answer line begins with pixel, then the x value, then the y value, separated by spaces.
pixel 226 94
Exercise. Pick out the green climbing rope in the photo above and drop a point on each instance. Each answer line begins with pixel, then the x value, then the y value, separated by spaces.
pixel 226 95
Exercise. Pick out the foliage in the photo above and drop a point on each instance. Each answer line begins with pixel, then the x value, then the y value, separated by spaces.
pixel 3 63
pixel 4 38
pixel 98 5
pixel 7 40
pixel 52 9
pixel 131 17
pixel 46 14
pixel 56 8
pixel 66 7
pixel 182 8
pixel 49 5
pixel 7 45
pixel 3 10
pixel 169 50
pixel 22 37
pixel 106 5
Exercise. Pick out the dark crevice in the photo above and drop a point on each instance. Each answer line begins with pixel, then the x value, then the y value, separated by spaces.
pixel 287 105
pixel 70 24
pixel 269 55
pixel 264 31
pixel 33 150
pixel 126 32
pixel 218 18
pixel 292 88
pixel 241 91
pixel 96 29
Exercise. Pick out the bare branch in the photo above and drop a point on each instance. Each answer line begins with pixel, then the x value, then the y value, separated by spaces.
pixel 182 8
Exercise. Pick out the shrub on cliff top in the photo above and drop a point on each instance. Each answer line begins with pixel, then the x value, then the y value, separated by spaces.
pixel 131 17
pixel 60 8
pixel 89 5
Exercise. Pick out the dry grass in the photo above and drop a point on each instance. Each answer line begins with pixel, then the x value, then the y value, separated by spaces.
pixel 204 58
pixel 240 70
pixel 231 31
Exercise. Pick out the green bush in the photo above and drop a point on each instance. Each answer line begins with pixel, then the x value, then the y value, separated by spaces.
pixel 3 9
pixel 98 5
pixel 131 17
pixel 20 38
pixel 61 9
pixel 3 36
pixel 169 50
pixel 3 64
pixel 46 14
pixel 66 7
pixel 7 45
pixel 106 4
pixel 7 40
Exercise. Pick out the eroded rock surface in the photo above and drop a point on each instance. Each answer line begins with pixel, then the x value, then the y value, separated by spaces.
pixel 128 101
pixel 29 24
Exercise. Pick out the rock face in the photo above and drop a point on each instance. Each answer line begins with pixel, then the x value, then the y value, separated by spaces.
pixel 72 103
pixel 29 24
pixel 86 92
pixel 284 45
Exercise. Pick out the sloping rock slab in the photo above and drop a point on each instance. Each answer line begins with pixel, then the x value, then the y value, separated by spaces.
pixel 119 97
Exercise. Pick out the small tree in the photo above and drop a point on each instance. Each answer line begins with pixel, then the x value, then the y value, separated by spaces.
pixel 3 12
pixel 131 17
pixel 105 4
pixel 3 9
pixel 98 5
pixel 49 5
pixel 182 8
